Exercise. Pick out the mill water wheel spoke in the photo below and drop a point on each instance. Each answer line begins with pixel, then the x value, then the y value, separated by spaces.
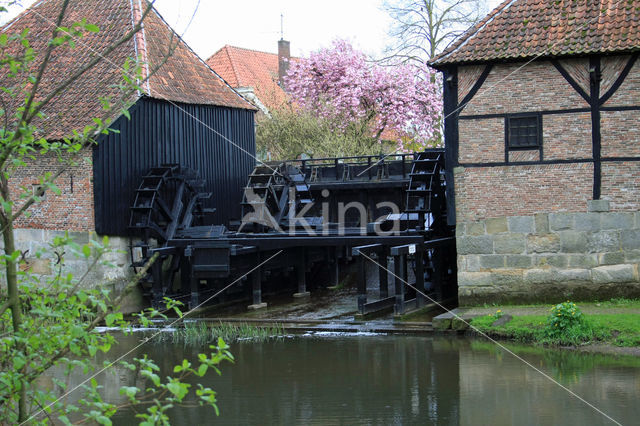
pixel 167 200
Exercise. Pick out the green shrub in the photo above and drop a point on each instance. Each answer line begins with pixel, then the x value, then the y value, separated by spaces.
pixel 564 316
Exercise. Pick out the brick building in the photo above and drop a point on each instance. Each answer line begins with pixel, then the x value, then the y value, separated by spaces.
pixel 542 106
pixel 258 76
pixel 183 113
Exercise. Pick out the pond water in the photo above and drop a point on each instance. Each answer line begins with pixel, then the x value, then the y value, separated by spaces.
pixel 334 379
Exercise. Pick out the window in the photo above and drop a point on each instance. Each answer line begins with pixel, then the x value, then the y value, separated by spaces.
pixel 524 132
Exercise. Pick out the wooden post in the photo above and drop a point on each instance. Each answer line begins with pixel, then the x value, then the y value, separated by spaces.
pixel 156 288
pixel 195 290
pixel 383 273
pixel 419 256
pixel 185 269
pixel 362 284
pixel 438 266
pixel 256 287
pixel 334 270
pixel 301 274
pixel 398 270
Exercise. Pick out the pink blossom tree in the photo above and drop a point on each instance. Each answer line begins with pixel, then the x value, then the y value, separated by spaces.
pixel 340 84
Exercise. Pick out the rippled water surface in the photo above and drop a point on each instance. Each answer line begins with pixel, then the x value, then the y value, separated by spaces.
pixel 334 379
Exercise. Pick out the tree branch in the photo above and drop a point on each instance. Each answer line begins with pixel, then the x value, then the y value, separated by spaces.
pixel 6 305
pixel 44 63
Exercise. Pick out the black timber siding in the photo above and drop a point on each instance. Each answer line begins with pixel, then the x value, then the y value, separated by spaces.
pixel 161 132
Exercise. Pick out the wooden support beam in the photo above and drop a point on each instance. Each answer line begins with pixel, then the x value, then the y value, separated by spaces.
pixel 362 284
pixel 301 268
pixel 195 290
pixel 383 273
pixel 439 265
pixel 378 306
pixel 256 287
pixel 399 267
pixel 334 269
pixel 256 284
pixel 156 288
pixel 185 277
pixel 419 258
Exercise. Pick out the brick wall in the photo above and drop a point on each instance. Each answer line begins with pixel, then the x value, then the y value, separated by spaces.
pixel 523 190
pixel 467 78
pixel 621 185
pixel 566 136
pixel 629 92
pixel 578 69
pixel 489 192
pixel 534 87
pixel 620 132
pixel 72 210
pixel 610 68
pixel 483 140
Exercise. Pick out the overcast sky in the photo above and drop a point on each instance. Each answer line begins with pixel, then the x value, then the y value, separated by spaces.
pixel 255 24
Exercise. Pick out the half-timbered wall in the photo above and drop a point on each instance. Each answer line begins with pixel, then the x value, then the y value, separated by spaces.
pixel 561 219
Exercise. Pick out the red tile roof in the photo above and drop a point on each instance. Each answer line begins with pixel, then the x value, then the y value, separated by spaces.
pixel 250 68
pixel 520 29
pixel 183 78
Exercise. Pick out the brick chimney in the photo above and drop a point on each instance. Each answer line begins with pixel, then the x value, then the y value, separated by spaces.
pixel 284 56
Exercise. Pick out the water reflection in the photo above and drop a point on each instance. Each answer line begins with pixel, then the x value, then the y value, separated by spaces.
pixel 381 380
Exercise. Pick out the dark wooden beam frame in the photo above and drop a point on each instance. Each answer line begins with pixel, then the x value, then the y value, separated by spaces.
pixel 616 84
pixel 476 86
pixel 596 102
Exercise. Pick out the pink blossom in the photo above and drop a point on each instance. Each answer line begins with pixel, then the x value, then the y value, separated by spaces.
pixel 340 82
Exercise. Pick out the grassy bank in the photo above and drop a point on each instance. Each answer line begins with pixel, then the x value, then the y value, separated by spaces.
pixel 615 322
pixel 202 333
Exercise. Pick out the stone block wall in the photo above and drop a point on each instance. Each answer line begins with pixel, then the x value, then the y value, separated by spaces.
pixel 114 278
pixel 550 257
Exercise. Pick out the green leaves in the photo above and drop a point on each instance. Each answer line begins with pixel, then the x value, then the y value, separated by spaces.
pixel 111 318
pixel 92 28
pixel 178 389
pixel 151 376
pixel 207 396
pixel 185 366
pixel 130 392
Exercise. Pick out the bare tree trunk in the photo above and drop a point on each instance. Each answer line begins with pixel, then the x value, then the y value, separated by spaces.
pixel 12 286
pixel 422 28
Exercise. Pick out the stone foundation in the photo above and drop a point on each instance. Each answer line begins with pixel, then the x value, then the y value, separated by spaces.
pixel 550 257
pixel 113 277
